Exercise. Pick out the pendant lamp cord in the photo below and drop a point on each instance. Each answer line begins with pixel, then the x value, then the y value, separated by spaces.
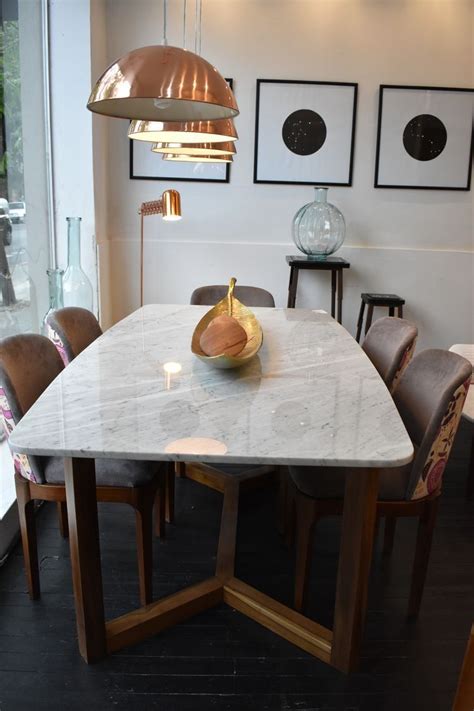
pixel 165 13
pixel 184 23
pixel 197 26
pixel 200 26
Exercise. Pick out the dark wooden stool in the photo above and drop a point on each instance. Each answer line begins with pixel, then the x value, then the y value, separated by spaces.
pixel 333 264
pixel 390 301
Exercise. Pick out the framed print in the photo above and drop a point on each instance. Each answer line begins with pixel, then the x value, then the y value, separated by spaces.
pixel 424 138
pixel 146 165
pixel 304 132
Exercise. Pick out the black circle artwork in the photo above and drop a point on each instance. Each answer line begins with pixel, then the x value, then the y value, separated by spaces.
pixel 304 132
pixel 424 137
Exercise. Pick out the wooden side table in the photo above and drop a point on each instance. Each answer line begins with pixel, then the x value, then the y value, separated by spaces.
pixel 333 264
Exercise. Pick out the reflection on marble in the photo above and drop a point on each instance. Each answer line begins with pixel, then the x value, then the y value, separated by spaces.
pixel 311 397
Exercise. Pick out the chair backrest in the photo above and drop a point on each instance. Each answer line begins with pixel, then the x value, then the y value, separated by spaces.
pixel 390 344
pixel 430 396
pixel 71 330
pixel 28 364
pixel 248 295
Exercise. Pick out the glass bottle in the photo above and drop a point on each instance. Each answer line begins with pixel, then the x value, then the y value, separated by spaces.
pixel 77 288
pixel 319 228
pixel 55 287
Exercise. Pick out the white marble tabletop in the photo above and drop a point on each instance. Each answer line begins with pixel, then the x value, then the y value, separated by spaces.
pixel 310 397
pixel 467 351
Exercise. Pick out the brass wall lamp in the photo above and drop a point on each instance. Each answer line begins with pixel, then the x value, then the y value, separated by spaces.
pixel 169 207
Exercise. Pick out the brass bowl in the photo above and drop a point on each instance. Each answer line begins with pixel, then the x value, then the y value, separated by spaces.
pixel 230 306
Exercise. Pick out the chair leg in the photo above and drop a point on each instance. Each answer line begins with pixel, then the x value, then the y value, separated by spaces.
pixel 305 522
pixel 282 501
pixel 470 474
pixel 62 517
pixel 389 534
pixel 160 511
pixel 289 522
pixel 144 533
pixel 28 535
pixel 424 539
pixel 169 493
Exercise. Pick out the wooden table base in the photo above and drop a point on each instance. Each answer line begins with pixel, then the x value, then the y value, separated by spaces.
pixel 339 648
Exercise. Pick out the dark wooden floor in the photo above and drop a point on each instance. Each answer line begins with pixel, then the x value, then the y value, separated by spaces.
pixel 220 659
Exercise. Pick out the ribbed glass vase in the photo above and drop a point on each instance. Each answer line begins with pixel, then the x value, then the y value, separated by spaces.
pixel 319 228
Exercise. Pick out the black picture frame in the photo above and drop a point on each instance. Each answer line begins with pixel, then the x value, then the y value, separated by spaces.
pixel 322 176
pixel 134 176
pixel 447 136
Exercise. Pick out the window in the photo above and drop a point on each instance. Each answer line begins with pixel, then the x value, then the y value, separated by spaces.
pixel 24 217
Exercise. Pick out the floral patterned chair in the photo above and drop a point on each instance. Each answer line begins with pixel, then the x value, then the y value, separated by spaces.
pixel 28 364
pixel 429 396
pixel 390 344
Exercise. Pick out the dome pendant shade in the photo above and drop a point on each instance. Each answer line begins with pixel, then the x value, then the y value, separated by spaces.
pixel 183 158
pixel 187 132
pixel 212 149
pixel 162 83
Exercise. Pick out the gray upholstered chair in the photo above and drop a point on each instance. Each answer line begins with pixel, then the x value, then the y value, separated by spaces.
pixel 71 330
pixel 28 364
pixel 390 344
pixel 429 397
pixel 248 295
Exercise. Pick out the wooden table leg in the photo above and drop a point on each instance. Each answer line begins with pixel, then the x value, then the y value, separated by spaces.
pixel 333 292
pixel 358 524
pixel 292 286
pixel 85 557
pixel 339 294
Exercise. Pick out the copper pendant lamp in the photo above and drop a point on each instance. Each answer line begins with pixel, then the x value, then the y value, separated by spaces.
pixel 213 149
pixel 187 132
pixel 163 83
pixel 192 158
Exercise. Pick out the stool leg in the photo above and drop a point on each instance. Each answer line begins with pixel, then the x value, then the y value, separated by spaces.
pixel 360 321
pixel 391 311
pixel 333 293
pixel 292 286
pixel 470 474
pixel 339 294
pixel 368 323
pixel 400 311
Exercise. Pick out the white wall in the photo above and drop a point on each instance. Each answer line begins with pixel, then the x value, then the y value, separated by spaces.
pixel 415 243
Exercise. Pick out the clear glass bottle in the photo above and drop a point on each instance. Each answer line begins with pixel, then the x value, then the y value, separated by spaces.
pixel 77 288
pixel 319 228
pixel 55 287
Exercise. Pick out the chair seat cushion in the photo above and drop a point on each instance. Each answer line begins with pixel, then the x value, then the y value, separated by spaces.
pixel 108 472
pixel 329 482
pixel 383 299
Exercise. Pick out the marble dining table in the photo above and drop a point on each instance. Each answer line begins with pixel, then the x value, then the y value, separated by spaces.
pixel 310 397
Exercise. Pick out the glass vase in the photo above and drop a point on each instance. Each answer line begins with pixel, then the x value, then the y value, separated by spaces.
pixel 77 288
pixel 55 287
pixel 319 228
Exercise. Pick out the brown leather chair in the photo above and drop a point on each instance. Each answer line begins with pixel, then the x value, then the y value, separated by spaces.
pixel 28 364
pixel 430 396
pixel 248 295
pixel 390 344
pixel 71 330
